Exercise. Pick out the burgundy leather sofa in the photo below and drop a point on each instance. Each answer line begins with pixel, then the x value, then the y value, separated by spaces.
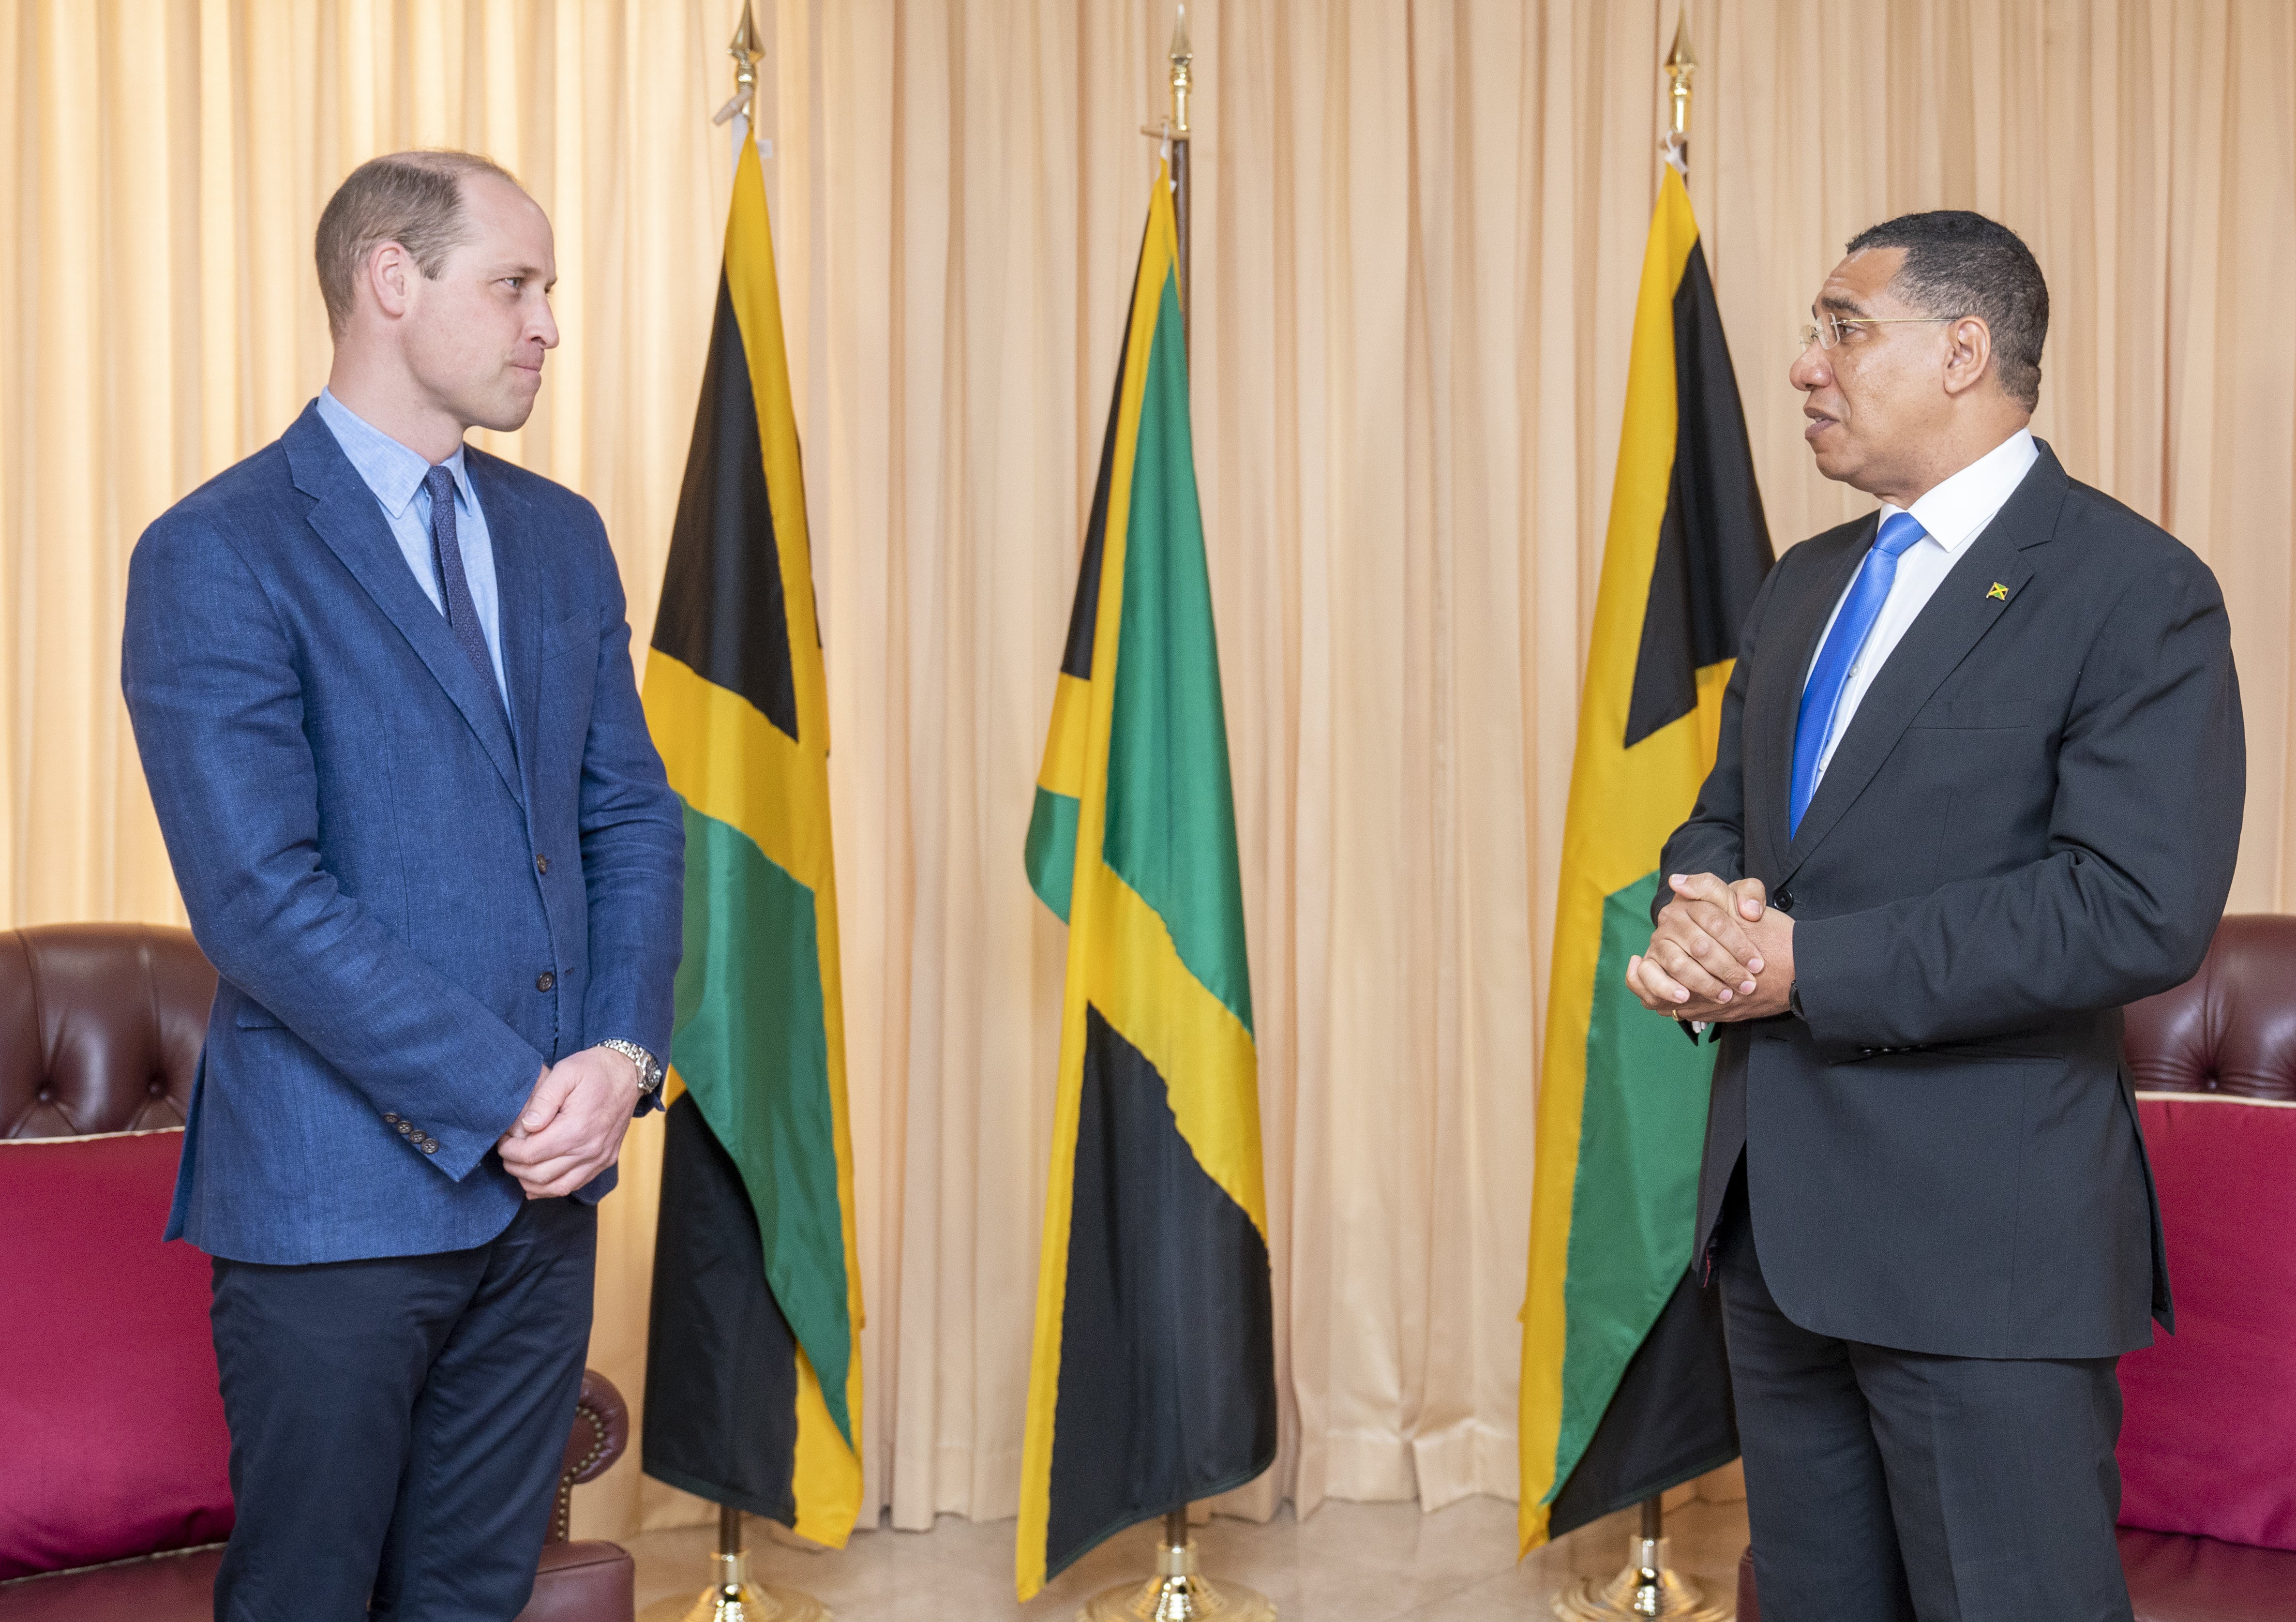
pixel 100 1033
pixel 2227 1035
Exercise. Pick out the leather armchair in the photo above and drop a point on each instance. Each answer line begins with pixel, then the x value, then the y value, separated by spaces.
pixel 589 1581
pixel 100 1026
pixel 2229 1032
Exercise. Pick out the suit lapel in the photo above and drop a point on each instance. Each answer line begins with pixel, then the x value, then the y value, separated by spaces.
pixel 1956 618
pixel 510 529
pixel 345 514
pixel 1774 698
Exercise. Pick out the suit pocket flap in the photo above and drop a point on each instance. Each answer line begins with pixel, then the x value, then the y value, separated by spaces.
pixel 1984 714
pixel 254 1016
pixel 575 634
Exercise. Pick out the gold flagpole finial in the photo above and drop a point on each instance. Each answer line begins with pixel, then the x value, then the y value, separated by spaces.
pixel 745 51
pixel 745 48
pixel 1680 64
pixel 1182 56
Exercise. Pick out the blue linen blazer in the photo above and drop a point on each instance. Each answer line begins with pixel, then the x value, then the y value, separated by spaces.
pixel 412 905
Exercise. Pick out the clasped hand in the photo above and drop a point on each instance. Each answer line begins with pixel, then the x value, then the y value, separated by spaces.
pixel 571 1128
pixel 1720 953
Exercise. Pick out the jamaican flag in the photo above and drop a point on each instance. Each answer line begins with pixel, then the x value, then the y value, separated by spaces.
pixel 1625 1389
pixel 753 1373
pixel 1153 1381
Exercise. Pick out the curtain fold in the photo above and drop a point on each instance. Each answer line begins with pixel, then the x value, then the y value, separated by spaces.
pixel 1417 224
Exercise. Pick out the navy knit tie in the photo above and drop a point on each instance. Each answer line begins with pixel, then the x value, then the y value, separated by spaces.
pixel 453 585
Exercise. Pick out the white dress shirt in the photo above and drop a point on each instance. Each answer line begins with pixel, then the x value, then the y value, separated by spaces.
pixel 1951 516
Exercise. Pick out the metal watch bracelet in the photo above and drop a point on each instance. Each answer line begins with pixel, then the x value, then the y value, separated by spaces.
pixel 649 1066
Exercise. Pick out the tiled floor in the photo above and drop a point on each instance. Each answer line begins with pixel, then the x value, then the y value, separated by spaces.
pixel 1347 1562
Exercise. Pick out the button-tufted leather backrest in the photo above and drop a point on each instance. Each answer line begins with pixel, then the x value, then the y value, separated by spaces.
pixel 100 1027
pixel 2230 1030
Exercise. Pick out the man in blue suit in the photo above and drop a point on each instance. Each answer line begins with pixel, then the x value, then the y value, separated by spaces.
pixel 382 686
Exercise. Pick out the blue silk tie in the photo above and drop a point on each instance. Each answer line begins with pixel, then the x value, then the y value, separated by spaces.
pixel 1831 674
pixel 453 585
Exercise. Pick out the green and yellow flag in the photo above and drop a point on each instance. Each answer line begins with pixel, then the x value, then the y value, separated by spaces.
pixel 1153 1381
pixel 1625 1390
pixel 753 1378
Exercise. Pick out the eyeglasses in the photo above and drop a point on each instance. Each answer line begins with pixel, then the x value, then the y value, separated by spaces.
pixel 1829 330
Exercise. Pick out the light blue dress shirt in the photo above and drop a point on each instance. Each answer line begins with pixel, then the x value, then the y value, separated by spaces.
pixel 395 473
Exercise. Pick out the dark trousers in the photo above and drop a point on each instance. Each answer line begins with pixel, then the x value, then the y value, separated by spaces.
pixel 396 1425
pixel 1898 1486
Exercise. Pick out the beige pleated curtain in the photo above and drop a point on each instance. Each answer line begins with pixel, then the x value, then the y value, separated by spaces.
pixel 1417 232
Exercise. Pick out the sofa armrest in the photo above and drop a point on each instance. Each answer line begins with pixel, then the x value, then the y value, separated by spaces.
pixel 601 1432
pixel 584 1582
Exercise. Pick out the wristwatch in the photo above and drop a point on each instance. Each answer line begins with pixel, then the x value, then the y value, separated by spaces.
pixel 649 1066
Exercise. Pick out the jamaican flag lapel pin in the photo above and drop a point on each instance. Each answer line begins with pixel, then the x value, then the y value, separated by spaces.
pixel 1999 593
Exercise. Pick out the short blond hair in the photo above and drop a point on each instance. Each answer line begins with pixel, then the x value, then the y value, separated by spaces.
pixel 413 198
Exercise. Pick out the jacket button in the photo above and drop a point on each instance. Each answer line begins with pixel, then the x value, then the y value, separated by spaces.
pixel 1783 901
pixel 544 980
pixel 542 865
pixel 392 1118
pixel 405 1130
pixel 429 1146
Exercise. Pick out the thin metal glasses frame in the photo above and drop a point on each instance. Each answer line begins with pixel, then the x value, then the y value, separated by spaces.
pixel 1826 333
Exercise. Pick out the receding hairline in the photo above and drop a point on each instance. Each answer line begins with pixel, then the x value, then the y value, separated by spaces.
pixel 511 264
pixel 462 167
pixel 363 215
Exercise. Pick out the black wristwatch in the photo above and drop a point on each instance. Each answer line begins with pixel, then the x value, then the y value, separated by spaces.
pixel 1793 1001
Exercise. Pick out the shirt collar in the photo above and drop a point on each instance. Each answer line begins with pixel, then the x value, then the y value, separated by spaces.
pixel 1953 512
pixel 392 470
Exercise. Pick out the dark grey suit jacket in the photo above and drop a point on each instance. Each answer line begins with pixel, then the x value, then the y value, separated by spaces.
pixel 2030 821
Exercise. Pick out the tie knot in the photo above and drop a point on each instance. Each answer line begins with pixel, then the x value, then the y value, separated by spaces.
pixel 1899 531
pixel 440 482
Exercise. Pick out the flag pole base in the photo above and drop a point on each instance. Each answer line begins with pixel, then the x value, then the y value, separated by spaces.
pixel 1646 1588
pixel 734 1597
pixel 1178 1592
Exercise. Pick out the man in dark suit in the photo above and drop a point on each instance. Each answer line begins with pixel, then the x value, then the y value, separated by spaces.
pixel 382 686
pixel 1979 785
